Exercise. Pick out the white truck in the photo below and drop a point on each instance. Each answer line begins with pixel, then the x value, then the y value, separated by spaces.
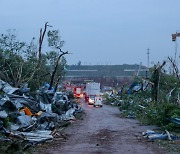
pixel 93 93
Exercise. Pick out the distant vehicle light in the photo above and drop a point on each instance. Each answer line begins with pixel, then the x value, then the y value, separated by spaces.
pixel 91 101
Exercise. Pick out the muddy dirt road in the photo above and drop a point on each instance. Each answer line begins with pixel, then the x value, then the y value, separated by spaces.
pixel 103 131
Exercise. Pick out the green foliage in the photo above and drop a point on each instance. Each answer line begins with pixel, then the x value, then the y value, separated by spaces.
pixel 56 58
pixel 141 104
pixel 6 123
pixel 54 39
pixel 18 60
pixel 52 57
pixel 9 42
pixel 159 114
pixel 166 84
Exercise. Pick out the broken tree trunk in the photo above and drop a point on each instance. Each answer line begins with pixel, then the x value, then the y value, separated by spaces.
pixel 41 38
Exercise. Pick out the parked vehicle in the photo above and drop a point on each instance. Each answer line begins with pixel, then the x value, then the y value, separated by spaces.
pixel 92 90
pixel 78 92
pixel 98 101
pixel 91 100
pixel 86 97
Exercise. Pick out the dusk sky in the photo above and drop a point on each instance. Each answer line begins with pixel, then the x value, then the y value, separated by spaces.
pixel 99 31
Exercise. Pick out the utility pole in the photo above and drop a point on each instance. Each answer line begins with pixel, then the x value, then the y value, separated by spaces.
pixel 147 63
pixel 148 57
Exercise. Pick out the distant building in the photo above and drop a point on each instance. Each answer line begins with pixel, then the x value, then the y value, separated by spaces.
pixel 107 75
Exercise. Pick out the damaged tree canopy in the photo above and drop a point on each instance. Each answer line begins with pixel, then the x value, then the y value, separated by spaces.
pixel 21 62
pixel 55 42
pixel 153 101
pixel 16 56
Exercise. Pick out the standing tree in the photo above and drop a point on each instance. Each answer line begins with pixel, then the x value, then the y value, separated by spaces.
pixel 79 63
pixel 11 59
pixel 54 41
pixel 20 62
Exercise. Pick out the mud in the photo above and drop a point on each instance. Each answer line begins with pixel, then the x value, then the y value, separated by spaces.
pixel 102 131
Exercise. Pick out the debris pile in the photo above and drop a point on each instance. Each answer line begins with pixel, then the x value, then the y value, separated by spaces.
pixel 33 120
pixel 152 135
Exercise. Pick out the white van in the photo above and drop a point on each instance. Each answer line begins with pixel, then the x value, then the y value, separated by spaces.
pixel 98 101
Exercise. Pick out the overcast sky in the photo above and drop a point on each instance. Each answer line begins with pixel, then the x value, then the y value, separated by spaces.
pixel 99 31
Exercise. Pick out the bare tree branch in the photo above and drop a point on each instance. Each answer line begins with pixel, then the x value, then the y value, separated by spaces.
pixel 55 68
pixel 175 67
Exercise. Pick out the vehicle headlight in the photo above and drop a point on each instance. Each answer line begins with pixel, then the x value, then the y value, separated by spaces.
pixel 90 100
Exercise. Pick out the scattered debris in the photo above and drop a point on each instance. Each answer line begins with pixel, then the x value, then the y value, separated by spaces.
pixel 33 120
pixel 3 114
pixel 175 120
pixel 152 135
